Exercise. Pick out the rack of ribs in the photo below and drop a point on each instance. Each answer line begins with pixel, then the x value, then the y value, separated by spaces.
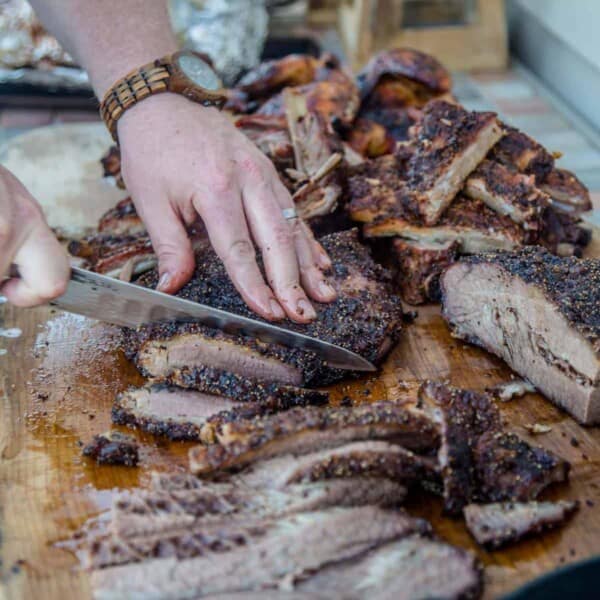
pixel 366 318
pixel 450 143
pixel 538 312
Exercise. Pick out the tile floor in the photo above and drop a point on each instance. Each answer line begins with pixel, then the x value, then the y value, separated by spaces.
pixel 513 94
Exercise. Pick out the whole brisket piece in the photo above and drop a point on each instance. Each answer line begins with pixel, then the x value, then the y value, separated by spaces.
pixel 509 193
pixel 420 264
pixel 365 318
pixel 332 536
pixel 450 143
pixel 113 448
pixel 538 312
pixel 304 430
pixel 494 525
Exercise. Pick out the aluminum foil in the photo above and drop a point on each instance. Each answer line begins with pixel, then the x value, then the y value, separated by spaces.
pixel 231 32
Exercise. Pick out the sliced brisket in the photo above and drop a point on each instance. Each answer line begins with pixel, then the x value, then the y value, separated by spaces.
pixel 282 551
pixel 494 525
pixel 538 312
pixel 305 430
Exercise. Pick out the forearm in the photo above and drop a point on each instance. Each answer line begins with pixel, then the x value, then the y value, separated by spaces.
pixel 109 38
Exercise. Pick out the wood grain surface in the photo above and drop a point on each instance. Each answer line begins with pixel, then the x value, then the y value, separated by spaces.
pixel 57 383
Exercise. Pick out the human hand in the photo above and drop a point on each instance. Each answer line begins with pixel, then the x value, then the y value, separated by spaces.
pixel 181 160
pixel 27 241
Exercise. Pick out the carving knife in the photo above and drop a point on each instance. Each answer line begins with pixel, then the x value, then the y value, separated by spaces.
pixel 114 301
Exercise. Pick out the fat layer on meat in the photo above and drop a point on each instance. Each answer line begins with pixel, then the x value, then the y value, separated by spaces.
pixel 538 312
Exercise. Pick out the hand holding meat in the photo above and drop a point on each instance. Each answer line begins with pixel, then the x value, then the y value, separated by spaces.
pixel 182 161
pixel 27 241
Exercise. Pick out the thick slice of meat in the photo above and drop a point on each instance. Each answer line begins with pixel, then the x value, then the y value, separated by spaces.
pixel 365 318
pixel 414 567
pixel 113 448
pixel 494 525
pixel 420 264
pixel 508 468
pixel 121 220
pixel 358 459
pixel 242 389
pixel 568 193
pixel 401 64
pixel 181 414
pixel 469 222
pixel 305 430
pixel 292 547
pixel 450 143
pixel 516 149
pixel 508 192
pixel 540 314
pixel 478 460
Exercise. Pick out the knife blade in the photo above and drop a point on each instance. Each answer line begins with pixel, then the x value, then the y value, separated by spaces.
pixel 121 303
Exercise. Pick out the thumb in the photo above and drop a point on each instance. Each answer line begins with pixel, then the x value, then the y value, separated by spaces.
pixel 171 243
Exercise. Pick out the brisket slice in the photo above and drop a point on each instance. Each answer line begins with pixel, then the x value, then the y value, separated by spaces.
pixel 540 314
pixel 508 468
pixel 304 430
pixel 357 459
pixel 409 569
pixel 365 318
pixel 242 389
pixel 479 462
pixel 450 143
pixel 195 522
pixel 290 548
pixel 420 264
pixel 494 525
pixel 182 415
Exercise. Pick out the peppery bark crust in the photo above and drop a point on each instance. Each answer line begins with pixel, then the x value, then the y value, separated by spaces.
pixel 243 389
pixel 572 284
pixel 245 441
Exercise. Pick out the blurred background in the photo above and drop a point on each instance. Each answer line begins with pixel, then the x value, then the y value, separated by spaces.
pixel 536 62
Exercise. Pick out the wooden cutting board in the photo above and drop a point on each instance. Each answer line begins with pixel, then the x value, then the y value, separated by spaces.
pixel 58 380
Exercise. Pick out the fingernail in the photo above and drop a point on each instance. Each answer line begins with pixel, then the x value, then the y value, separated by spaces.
pixel 326 289
pixel 276 309
pixel 164 281
pixel 305 309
